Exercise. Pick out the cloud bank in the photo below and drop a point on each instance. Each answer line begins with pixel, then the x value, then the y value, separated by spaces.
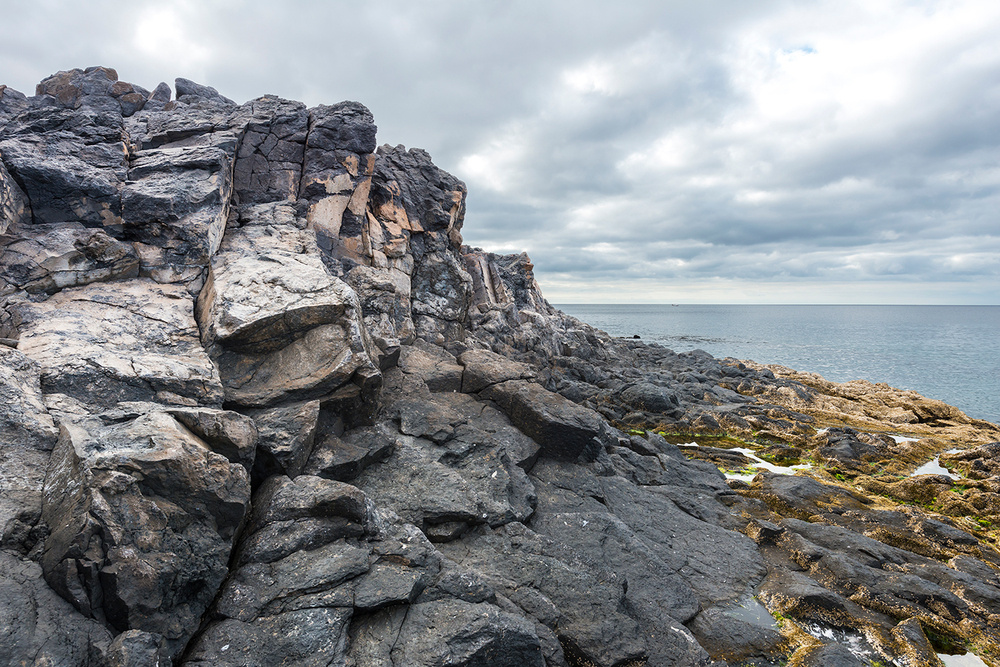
pixel 767 152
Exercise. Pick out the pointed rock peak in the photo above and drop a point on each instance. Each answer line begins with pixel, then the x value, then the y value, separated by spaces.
pixel 190 89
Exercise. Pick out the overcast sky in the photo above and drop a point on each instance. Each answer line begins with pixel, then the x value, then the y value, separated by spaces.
pixel 644 151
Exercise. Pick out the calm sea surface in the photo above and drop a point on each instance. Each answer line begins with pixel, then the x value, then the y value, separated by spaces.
pixel 951 353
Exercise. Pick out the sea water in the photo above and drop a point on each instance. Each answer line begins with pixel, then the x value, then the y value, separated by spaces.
pixel 951 353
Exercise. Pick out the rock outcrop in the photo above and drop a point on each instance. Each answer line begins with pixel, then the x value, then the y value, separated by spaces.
pixel 261 406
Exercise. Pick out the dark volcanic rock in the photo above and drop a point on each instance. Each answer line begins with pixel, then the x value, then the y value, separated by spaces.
pixel 563 429
pixel 39 628
pixel 143 517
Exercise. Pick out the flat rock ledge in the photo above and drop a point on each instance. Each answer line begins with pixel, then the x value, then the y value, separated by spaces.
pixel 259 405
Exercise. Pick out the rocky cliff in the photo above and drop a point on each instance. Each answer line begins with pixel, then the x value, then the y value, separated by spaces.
pixel 261 406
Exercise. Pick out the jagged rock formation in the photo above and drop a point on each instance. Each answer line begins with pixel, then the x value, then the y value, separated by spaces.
pixel 262 407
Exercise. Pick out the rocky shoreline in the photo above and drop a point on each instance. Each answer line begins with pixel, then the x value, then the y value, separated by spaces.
pixel 261 406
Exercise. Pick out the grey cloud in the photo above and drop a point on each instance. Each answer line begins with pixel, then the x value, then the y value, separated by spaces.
pixel 637 143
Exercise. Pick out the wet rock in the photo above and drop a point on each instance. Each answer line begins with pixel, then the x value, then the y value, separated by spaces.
pixel 916 649
pixel 804 497
pixel 728 635
pixel 826 655
pixel 797 595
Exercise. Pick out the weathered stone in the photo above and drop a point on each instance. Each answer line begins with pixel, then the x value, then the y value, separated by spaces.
pixel 27 435
pixel 143 517
pixel 185 126
pixel 277 323
pixel 345 458
pixel 287 435
pixel 188 91
pixel 75 88
pixel 338 281
pixel 12 102
pixel 158 99
pixel 131 340
pixel 719 565
pixel 39 628
pixel 651 398
pixel 564 430
pixel 476 635
pixel 484 368
pixel 231 434
pixel 135 648
pixel 435 366
pixel 13 208
pixel 307 637
pixel 414 483
pixel 175 205
pixel 297 515
pixel 583 604
pixel 309 581
pixel 385 304
pixel 336 179
pixel 416 194
pixel 269 158
pixel 71 164
pixel 43 259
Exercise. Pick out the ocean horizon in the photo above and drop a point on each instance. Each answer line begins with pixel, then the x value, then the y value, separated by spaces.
pixel 950 353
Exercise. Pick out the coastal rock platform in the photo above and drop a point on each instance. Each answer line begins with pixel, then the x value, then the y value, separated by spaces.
pixel 261 406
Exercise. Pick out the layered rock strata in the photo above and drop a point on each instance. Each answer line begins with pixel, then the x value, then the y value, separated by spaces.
pixel 261 406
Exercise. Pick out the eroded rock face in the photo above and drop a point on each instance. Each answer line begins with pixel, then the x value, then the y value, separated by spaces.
pixel 261 406
pixel 47 258
pixel 124 341
pixel 27 435
pixel 143 517
pixel 12 204
pixel 277 323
